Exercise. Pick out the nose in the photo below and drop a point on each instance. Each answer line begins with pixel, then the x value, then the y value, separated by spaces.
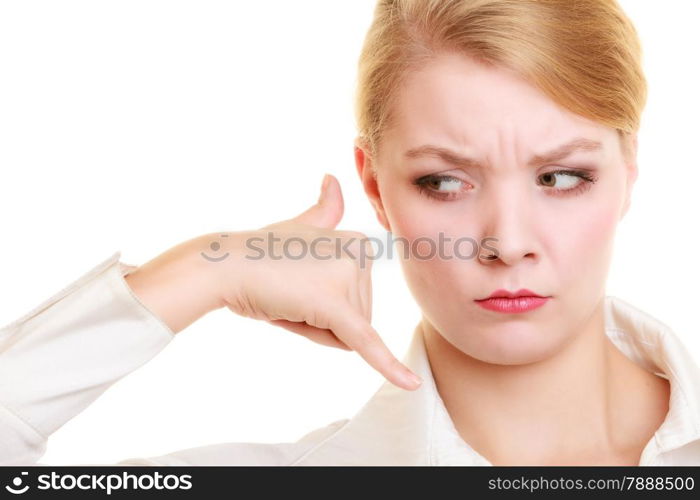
pixel 508 235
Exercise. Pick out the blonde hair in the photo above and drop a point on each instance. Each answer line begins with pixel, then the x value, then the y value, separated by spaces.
pixel 583 54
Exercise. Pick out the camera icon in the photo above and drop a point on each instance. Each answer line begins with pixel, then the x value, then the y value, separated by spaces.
pixel 17 483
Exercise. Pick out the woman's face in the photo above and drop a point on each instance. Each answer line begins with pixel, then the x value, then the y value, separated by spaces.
pixel 553 232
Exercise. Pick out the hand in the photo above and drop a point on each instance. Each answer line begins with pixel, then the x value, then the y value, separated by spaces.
pixel 312 290
pixel 325 297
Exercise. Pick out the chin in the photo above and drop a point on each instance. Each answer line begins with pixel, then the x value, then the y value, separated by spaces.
pixel 511 344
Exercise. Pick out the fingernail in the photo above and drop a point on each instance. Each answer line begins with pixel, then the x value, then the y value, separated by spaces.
pixel 326 181
pixel 413 379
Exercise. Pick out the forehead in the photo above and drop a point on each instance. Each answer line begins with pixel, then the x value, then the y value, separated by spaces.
pixel 457 101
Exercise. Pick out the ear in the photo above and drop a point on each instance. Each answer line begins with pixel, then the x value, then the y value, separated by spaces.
pixel 632 172
pixel 368 176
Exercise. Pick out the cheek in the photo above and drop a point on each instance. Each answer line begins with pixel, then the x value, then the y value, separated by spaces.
pixel 428 231
pixel 437 248
pixel 415 217
pixel 582 252
pixel 406 213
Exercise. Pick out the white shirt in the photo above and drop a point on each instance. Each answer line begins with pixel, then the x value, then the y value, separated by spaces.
pixel 58 358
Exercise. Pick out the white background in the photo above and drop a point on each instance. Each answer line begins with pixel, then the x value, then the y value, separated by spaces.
pixel 134 125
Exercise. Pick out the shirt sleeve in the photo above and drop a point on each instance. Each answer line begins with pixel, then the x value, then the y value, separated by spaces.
pixel 59 357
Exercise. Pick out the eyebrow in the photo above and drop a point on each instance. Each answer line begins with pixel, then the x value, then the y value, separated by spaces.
pixel 556 154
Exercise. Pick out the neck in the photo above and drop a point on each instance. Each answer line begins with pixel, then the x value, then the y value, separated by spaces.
pixel 586 405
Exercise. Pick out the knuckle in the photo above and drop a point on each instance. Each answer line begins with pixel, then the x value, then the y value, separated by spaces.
pixel 316 317
pixel 365 339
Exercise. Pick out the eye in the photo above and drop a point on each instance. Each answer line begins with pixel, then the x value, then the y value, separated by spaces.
pixel 441 187
pixel 568 181
pixel 558 182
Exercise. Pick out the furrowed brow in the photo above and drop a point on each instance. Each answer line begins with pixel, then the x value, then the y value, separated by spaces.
pixel 565 150
pixel 556 154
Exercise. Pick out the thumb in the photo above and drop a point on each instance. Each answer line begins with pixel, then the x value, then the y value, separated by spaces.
pixel 328 210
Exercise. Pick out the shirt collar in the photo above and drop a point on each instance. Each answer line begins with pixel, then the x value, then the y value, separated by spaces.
pixel 400 427
pixel 654 346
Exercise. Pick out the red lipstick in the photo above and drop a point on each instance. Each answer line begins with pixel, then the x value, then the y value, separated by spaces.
pixel 512 302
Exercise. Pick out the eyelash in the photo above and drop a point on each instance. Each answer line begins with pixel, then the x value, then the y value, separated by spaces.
pixel 587 178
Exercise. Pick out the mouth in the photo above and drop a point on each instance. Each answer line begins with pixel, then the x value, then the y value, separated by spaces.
pixel 520 301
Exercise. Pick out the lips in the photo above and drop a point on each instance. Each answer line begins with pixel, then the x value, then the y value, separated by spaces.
pixel 523 292
pixel 505 301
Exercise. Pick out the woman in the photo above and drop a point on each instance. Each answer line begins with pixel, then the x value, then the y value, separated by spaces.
pixel 507 123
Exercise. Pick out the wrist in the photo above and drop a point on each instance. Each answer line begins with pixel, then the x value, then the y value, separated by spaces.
pixel 178 286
